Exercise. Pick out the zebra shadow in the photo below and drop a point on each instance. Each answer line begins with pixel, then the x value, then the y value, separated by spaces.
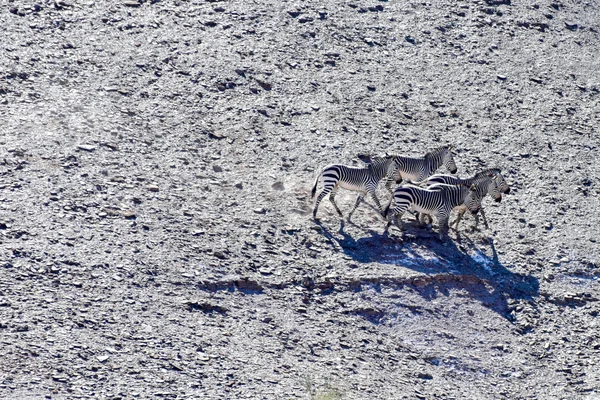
pixel 453 264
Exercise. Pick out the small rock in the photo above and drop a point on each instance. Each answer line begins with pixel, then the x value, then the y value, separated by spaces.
pixel 410 39
pixel 61 4
pixel 371 88
pixel 424 375
pixel 264 84
pixel 60 378
pixel 217 168
pixel 102 358
pixel 220 255
pixel 572 26
pixel 86 147
pixel 130 214
pixel 278 186
pixel 152 188
pixel 260 210
pixel 131 3
pixel 502 77
pixel 239 185
pixel 216 135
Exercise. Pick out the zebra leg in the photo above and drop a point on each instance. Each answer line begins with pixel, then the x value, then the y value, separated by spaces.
pixel 395 218
pixel 332 200
pixel 484 219
pixel 324 193
pixel 397 221
pixel 388 185
pixel 458 218
pixel 358 200
pixel 376 200
pixel 443 226
pixel 422 217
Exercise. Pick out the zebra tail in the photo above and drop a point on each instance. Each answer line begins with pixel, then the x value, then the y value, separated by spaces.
pixel 314 189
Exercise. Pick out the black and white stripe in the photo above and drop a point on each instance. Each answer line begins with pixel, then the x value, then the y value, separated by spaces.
pixel 437 201
pixel 363 180
pixel 491 179
pixel 417 169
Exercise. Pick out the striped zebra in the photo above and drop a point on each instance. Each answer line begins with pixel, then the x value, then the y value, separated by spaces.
pixel 438 201
pixel 486 175
pixel 361 179
pixel 417 169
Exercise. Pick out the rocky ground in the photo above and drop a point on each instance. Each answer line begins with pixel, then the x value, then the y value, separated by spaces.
pixel 156 237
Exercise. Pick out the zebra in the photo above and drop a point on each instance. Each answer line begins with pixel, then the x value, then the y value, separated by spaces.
pixel 438 201
pixel 417 169
pixel 487 174
pixel 483 186
pixel 361 179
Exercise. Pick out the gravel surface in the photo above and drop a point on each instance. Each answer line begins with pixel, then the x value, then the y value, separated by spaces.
pixel 156 231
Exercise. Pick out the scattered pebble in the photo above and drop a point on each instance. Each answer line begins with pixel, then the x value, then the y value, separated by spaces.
pixel 86 147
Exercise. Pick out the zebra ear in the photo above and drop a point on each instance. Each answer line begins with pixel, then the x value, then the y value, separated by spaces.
pixel 450 146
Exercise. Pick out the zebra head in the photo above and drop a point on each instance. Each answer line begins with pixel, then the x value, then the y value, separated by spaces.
pixel 440 156
pixel 495 174
pixel 502 184
pixel 494 190
pixel 448 159
pixel 473 200
pixel 382 166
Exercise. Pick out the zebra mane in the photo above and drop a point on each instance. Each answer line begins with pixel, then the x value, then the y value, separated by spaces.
pixel 487 172
pixel 437 151
pixel 377 161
